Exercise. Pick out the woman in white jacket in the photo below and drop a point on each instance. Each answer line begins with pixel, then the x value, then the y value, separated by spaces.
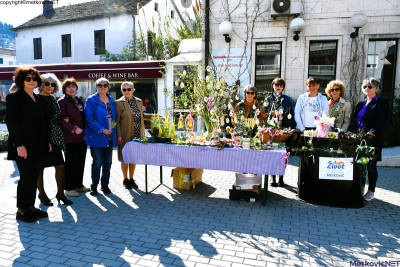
pixel 309 105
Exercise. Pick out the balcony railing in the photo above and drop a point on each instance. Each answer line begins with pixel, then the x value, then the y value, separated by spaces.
pixel 322 69
pixel 267 69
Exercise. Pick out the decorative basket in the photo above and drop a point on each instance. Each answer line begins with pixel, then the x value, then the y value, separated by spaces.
pixel 277 138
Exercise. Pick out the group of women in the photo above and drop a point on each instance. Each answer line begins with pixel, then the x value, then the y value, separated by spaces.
pixel 371 114
pixel 42 128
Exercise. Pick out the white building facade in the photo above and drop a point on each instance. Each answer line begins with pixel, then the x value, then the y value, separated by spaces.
pixel 262 45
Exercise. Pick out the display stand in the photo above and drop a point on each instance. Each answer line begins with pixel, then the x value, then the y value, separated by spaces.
pixel 331 192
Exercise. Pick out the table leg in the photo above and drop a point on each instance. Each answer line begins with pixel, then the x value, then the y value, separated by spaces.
pixel 161 175
pixel 145 176
pixel 264 200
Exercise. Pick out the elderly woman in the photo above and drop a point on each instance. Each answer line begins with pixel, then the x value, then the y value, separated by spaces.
pixel 372 115
pixel 130 124
pixel 282 102
pixel 339 108
pixel 249 107
pixel 28 142
pixel 72 122
pixel 100 115
pixel 51 85
pixel 309 105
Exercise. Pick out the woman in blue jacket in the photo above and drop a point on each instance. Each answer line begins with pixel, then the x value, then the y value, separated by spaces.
pixel 284 105
pixel 100 113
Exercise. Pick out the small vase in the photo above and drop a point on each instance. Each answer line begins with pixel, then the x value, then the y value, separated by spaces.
pixel 246 143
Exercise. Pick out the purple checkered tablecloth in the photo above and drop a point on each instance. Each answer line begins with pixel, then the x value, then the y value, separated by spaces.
pixel 202 157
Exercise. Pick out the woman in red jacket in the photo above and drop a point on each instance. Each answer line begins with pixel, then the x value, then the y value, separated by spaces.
pixel 72 123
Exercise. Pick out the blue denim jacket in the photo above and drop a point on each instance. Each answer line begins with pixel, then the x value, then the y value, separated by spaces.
pixel 97 121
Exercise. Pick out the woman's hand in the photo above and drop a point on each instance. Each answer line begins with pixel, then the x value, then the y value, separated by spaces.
pixel 78 131
pixel 66 119
pixel 22 152
pixel 120 141
pixel 50 148
pixel 107 132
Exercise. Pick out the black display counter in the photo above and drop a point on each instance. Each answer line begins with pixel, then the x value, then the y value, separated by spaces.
pixel 335 191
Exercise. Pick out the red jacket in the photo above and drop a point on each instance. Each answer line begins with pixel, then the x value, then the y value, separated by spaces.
pixel 68 109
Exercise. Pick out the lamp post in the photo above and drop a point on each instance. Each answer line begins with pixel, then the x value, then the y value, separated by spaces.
pixel 226 28
pixel 357 21
pixel 297 25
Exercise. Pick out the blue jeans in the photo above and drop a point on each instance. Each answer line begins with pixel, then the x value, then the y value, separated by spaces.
pixel 102 158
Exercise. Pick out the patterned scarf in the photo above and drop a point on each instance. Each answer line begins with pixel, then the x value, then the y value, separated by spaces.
pixel 56 134
pixel 75 101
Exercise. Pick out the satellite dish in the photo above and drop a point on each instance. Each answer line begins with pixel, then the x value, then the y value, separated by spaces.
pixel 281 6
pixel 186 3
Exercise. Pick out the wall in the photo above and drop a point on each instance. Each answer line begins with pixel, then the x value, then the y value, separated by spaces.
pixel 7 59
pixel 324 19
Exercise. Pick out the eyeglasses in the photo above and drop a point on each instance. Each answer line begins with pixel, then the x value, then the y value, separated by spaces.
pixel 369 87
pixel 102 85
pixel 71 87
pixel 250 93
pixel 28 79
pixel 278 85
pixel 335 90
pixel 126 89
pixel 50 84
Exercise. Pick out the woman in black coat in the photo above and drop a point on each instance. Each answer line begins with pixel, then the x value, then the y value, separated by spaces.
pixel 28 141
pixel 372 115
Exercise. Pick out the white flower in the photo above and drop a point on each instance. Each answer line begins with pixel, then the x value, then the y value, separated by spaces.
pixel 224 105
pixel 207 78
pixel 182 85
pixel 257 112
pixel 289 116
pixel 235 119
pixel 177 83
pixel 230 106
pixel 208 68
pixel 257 121
pixel 227 120
pixel 237 98
pixel 254 106
pixel 231 114
pixel 184 72
pixel 205 99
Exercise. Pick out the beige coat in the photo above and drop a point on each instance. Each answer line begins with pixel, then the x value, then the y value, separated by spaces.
pixel 342 120
pixel 125 124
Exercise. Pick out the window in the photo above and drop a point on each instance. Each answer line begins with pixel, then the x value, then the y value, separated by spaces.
pixel 155 7
pixel 66 45
pixel 37 48
pixel 322 62
pixel 172 14
pixel 268 66
pixel 1 60
pixel 99 41
pixel 381 63
pixel 150 37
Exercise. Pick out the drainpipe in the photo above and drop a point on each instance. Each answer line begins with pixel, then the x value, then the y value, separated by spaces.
pixel 207 32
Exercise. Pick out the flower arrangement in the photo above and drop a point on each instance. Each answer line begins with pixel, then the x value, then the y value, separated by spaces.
pixel 162 127
pixel 245 127
pixel 323 124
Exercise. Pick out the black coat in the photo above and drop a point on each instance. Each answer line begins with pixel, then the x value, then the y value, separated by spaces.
pixel 375 118
pixel 28 125
pixel 288 108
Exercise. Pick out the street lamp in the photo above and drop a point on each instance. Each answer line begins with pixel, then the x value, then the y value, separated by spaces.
pixel 226 28
pixel 297 25
pixel 357 21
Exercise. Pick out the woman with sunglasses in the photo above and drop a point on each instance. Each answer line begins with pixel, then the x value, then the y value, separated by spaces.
pixel 100 115
pixel 130 124
pixel 28 142
pixel 72 122
pixel 51 85
pixel 372 115
pixel 282 103
pixel 339 108
pixel 250 108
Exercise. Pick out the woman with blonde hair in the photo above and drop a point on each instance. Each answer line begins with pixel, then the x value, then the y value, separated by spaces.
pixel 339 108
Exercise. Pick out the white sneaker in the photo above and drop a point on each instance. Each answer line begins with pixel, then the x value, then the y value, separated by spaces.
pixel 83 189
pixel 71 193
pixel 369 196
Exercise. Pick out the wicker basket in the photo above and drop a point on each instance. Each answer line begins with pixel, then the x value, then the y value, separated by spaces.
pixel 277 138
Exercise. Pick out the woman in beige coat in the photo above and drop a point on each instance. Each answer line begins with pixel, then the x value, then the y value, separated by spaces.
pixel 130 125
pixel 339 108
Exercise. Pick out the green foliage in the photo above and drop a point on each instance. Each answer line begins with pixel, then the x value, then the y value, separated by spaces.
pixel 3 140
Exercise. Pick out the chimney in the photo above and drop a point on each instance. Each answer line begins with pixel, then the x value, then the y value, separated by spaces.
pixel 47 6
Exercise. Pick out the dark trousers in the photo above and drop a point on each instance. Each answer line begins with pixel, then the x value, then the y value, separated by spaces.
pixel 27 184
pixel 372 175
pixel 102 159
pixel 75 157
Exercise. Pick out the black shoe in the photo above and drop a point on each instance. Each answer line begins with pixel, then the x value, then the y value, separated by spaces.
pixel 28 216
pixel 64 200
pixel 106 190
pixel 127 184
pixel 93 192
pixel 40 213
pixel 281 183
pixel 273 183
pixel 133 183
pixel 45 202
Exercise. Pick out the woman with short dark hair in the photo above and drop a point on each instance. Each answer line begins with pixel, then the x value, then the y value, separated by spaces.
pixel 55 158
pixel 372 115
pixel 28 142
pixel 72 122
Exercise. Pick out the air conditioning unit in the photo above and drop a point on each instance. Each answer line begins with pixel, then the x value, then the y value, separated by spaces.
pixel 284 8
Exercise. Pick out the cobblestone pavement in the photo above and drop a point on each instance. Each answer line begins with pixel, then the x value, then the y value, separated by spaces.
pixel 197 228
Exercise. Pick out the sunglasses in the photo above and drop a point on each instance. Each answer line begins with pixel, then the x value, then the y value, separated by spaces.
pixel 250 93
pixel 71 87
pixel 369 87
pixel 28 79
pixel 127 90
pixel 50 84
pixel 335 90
pixel 102 85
